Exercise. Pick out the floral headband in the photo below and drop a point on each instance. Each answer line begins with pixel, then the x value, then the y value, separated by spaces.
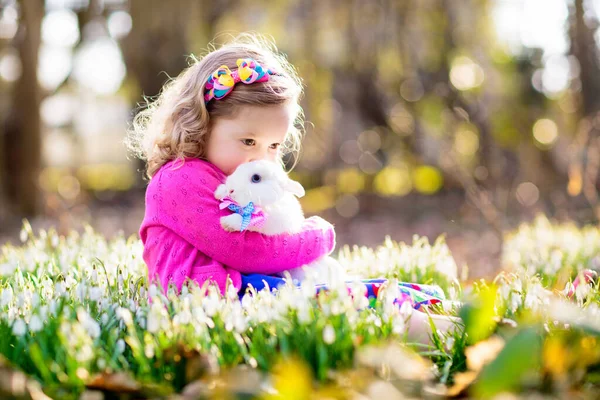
pixel 222 81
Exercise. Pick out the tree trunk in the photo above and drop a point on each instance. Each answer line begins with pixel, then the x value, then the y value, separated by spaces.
pixel 22 136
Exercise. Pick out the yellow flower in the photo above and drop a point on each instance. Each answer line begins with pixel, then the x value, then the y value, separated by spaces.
pixel 292 380
pixel 555 356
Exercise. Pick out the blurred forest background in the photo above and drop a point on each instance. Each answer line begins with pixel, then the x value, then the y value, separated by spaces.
pixel 426 116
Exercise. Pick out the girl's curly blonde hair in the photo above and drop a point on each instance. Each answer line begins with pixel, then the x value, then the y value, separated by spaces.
pixel 178 123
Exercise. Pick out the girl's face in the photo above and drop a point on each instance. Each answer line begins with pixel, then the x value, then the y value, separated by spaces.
pixel 256 133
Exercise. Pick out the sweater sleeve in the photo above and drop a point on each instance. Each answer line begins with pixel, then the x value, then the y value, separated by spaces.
pixel 188 207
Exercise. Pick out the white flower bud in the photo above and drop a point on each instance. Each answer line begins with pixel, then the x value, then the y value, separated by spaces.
pixel 328 334
pixel 19 328
pixel 35 324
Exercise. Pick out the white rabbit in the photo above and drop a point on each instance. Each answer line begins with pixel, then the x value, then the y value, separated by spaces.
pixel 265 184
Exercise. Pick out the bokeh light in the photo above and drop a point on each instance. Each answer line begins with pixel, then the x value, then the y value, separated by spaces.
pixel 369 163
pixel 427 179
pixel 99 177
pixel 347 206
pixel 545 132
pixel 412 90
pixel 99 66
pixel 60 28
pixel 350 180
pixel 369 141
pixel 68 187
pixel 318 199
pixel 57 147
pixel 10 65
pixel 54 66
pixel 57 110
pixel 466 142
pixel 465 74
pixel 8 22
pixel 393 181
pixel 401 120
pixel 527 194
pixel 350 152
pixel 119 24
pixel 556 74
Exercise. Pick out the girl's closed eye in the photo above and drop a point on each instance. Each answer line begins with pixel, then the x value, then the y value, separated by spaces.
pixel 249 142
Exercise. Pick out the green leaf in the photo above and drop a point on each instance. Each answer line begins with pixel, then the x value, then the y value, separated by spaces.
pixel 520 355
pixel 38 360
pixel 478 315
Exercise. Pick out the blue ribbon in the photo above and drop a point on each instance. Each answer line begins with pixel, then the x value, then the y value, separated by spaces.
pixel 245 212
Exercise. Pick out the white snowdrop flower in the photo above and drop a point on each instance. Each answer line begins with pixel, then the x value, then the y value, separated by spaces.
pixel 153 321
pixel 184 290
pixel 532 302
pixel 518 285
pixel 153 290
pixel 70 281
pixel 35 323
pixel 60 288
pixel 199 315
pixel 23 235
pixel 232 293
pixel 262 315
pixel 398 324
pixel 211 304
pixel 7 296
pixel 20 300
pixel 582 291
pixel 35 300
pixel 81 291
pixel 406 309
pixel 449 343
pixel 149 350
pixel 84 353
pixel 43 312
pixel 101 364
pixel 92 327
pixel 7 269
pixel 53 307
pixel 19 327
pixel 325 309
pixel 515 302
pixel 120 346
pixel 246 301
pixel 124 315
pixel 303 312
pixel 54 241
pixel 95 293
pixel 328 334
pixel 183 318
pixel 504 291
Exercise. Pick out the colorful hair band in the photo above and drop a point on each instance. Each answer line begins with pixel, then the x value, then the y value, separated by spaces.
pixel 222 81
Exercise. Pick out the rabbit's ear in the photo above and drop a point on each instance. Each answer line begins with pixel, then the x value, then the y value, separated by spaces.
pixel 294 187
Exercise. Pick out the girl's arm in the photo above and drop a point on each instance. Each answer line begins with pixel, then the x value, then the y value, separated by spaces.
pixel 187 206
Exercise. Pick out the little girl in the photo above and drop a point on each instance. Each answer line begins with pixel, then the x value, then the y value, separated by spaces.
pixel 237 104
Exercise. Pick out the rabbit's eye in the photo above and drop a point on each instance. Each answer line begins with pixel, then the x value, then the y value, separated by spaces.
pixel 256 178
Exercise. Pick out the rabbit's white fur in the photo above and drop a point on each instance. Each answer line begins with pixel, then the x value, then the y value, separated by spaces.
pixel 276 194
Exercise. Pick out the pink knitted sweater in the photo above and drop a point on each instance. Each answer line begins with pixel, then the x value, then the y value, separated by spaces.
pixel 183 237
